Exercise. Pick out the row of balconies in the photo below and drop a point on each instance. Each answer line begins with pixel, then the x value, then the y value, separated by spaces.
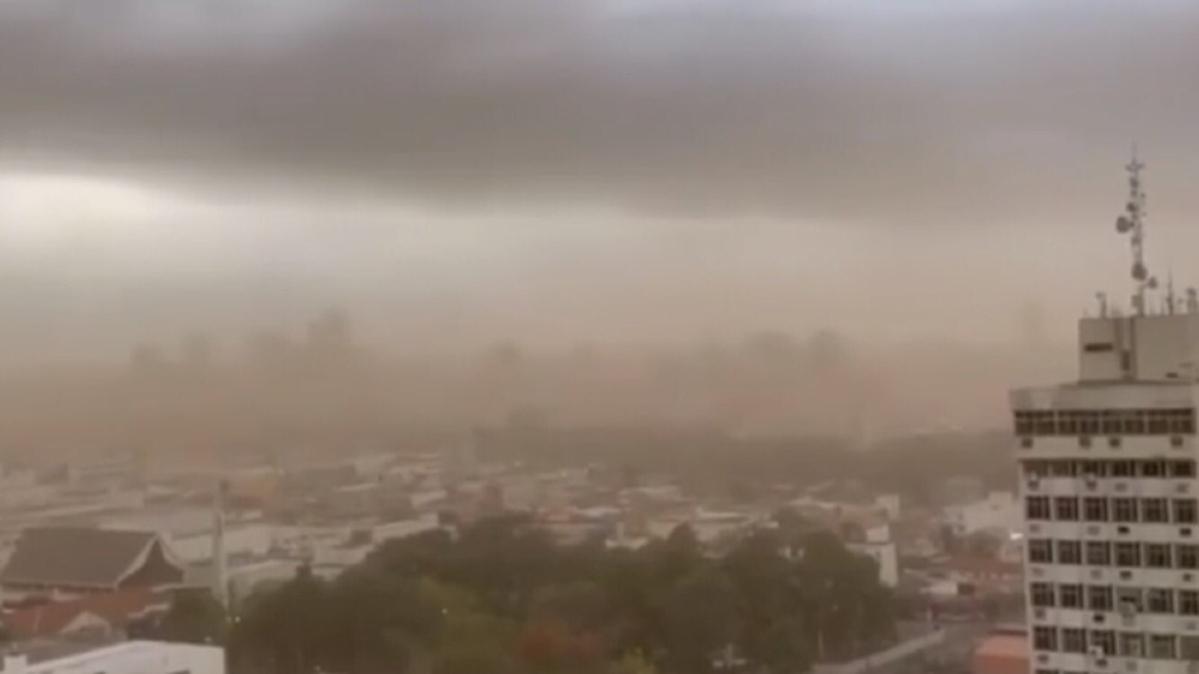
pixel 1087 442
pixel 1118 484
pixel 1104 530
pixel 1104 574
pixel 1097 661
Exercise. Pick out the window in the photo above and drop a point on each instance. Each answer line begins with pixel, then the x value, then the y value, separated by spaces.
pixel 1158 422
pixel 1109 422
pixel 1040 551
pixel 1043 423
pixel 1042 594
pixel 1062 468
pixel 1037 508
pixel 1128 554
pixel 1067 423
pixel 1188 602
pixel 1182 422
pixel 1132 644
pixel 1069 552
pixel 1099 553
pixel 1024 423
pixel 1161 646
pixel 1153 468
pixel 1154 510
pixel 1184 511
pixel 1099 598
pixel 1186 556
pixel 1094 468
pixel 1124 509
pixel 1044 638
pixel 1074 640
pixel 1124 469
pixel 1157 555
pixel 1094 509
pixel 1104 640
pixel 1070 596
pixel 1037 469
pixel 1128 598
pixel 1132 422
pixel 1182 469
pixel 1066 508
pixel 1159 600
pixel 1088 422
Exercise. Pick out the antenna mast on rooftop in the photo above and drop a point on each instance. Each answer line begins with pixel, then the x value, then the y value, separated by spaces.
pixel 1132 222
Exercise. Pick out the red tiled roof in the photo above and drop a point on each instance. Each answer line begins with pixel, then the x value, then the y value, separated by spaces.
pixel 116 608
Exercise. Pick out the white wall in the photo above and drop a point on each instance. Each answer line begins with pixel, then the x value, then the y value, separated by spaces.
pixel 1000 510
pixel 132 657
pixel 404 528
pixel 253 540
pixel 885 555
pixel 890 504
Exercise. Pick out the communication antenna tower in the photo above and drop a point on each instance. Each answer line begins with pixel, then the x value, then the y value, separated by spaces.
pixel 1132 222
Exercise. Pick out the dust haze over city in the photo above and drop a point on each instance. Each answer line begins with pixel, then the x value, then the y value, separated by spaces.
pixel 631 194
pixel 598 336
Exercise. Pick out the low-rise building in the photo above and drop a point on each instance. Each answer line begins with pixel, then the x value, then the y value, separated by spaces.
pixel 999 511
pixel 57 564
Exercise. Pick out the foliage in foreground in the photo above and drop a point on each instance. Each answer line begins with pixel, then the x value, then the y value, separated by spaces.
pixel 503 599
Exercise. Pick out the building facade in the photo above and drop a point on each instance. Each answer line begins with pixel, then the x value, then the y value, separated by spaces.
pixel 1108 492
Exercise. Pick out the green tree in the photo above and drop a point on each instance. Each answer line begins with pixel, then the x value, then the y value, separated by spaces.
pixel 579 604
pixel 632 662
pixel 285 630
pixel 847 607
pixel 782 647
pixel 699 617
pixel 194 617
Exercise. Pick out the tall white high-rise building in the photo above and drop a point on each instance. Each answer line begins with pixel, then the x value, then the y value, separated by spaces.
pixel 1108 489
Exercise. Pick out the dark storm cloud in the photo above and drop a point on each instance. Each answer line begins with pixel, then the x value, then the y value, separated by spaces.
pixel 917 114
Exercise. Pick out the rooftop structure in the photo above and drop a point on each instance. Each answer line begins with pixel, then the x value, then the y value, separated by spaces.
pixel 131 657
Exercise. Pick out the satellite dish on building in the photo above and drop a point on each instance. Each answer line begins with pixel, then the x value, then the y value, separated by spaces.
pixel 1123 224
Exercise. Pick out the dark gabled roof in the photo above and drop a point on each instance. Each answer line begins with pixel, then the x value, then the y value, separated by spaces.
pixel 75 557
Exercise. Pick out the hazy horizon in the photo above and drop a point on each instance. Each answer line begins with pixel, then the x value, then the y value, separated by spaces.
pixel 923 177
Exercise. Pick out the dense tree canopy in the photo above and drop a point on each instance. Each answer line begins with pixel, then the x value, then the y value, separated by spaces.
pixel 501 598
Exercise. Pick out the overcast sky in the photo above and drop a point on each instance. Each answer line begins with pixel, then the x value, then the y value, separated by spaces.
pixel 558 170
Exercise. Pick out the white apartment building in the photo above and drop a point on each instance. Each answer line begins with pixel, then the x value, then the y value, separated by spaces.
pixel 1108 488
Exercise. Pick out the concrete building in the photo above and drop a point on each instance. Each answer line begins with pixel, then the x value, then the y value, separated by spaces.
pixel 999 511
pixel 879 546
pixel 131 657
pixel 1108 483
